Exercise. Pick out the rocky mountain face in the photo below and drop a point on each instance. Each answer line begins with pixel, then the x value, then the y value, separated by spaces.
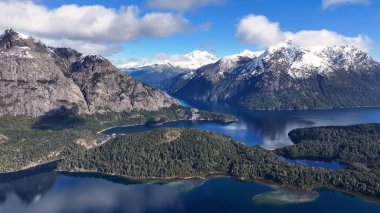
pixel 153 73
pixel 285 76
pixel 36 79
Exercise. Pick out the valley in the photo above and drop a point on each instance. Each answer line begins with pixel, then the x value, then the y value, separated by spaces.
pixel 80 112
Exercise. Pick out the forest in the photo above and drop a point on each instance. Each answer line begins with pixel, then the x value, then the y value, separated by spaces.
pixel 181 153
pixel 26 142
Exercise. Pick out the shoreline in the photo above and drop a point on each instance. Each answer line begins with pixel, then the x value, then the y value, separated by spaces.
pixel 147 179
pixel 162 123
pixel 204 103
pixel 310 109
pixel 257 180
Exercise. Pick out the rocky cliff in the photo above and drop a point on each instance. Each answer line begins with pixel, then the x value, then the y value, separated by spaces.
pixel 36 79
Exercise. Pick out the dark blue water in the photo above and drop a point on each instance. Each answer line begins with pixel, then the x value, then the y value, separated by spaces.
pixel 54 192
pixel 333 165
pixel 57 192
pixel 268 128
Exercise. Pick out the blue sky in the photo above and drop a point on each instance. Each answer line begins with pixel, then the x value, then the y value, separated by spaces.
pixel 213 27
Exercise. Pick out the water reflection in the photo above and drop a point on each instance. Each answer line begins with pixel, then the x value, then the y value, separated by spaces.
pixel 90 193
pixel 28 185
pixel 332 165
pixel 273 126
pixel 50 192
pixel 269 128
pixel 28 189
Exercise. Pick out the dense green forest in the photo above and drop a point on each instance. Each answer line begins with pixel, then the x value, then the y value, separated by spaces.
pixel 358 144
pixel 97 122
pixel 27 141
pixel 170 153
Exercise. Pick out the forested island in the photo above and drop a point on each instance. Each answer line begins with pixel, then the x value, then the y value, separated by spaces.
pixel 185 153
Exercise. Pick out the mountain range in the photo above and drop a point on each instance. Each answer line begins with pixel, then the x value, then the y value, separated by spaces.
pixel 36 79
pixel 155 72
pixel 285 77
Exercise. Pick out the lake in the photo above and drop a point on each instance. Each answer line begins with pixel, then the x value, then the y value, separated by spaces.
pixel 267 128
pixel 50 191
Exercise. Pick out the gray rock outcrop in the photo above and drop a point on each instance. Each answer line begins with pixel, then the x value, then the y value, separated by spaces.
pixel 36 79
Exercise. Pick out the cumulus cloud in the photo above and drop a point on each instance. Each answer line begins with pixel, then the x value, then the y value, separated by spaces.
pixel 183 5
pixel 84 46
pixel 259 30
pixel 92 24
pixel 329 3
pixel 256 29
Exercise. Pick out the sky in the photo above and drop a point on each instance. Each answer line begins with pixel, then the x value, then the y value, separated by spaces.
pixel 127 30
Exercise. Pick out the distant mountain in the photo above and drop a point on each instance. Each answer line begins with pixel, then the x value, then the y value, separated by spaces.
pixel 154 73
pixel 36 79
pixel 285 76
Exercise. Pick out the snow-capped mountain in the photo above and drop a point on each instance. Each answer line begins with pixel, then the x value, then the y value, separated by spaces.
pixel 153 73
pixel 196 59
pixel 286 76
pixel 190 61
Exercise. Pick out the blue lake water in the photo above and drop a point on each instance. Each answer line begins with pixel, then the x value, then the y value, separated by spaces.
pixel 267 128
pixel 60 192
pixel 333 165
pixel 55 192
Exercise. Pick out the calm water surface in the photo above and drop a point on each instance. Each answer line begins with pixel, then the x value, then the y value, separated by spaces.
pixel 49 191
pixel 54 192
pixel 267 128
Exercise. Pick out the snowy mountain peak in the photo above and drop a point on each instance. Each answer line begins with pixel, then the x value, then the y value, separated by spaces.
pixel 347 57
pixel 15 44
pixel 91 57
pixel 250 54
pixel 198 54
pixel 229 63
pixel 287 44
pixel 12 34
pixel 190 61
pixel 244 54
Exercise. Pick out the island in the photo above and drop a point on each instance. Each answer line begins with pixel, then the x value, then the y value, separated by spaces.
pixel 187 153
pixel 170 153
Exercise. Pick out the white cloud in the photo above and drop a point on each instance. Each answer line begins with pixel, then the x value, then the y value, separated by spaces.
pixel 256 29
pixel 259 30
pixel 83 46
pixel 92 24
pixel 183 5
pixel 329 3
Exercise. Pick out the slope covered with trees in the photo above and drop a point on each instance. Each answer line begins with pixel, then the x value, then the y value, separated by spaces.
pixel 358 144
pixel 180 153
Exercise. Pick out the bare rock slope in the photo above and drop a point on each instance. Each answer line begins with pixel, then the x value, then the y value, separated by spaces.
pixel 36 79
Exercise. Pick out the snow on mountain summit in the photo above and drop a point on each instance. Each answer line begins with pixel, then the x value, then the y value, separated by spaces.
pixel 190 61
pixel 196 59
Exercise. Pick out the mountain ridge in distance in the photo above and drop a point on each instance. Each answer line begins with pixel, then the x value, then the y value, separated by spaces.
pixel 165 67
pixel 286 77
pixel 155 73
